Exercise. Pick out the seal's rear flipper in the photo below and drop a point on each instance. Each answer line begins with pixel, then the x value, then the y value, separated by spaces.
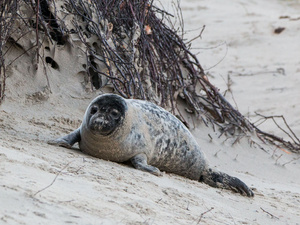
pixel 67 141
pixel 140 162
pixel 223 180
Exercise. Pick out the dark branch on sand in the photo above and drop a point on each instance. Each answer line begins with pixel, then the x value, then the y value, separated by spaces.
pixel 202 214
pixel 56 176
pixel 279 141
pixel 272 216
pixel 138 51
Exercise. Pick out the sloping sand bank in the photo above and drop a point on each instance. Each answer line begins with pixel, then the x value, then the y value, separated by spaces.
pixel 43 184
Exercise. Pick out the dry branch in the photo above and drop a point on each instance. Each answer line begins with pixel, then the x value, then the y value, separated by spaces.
pixel 56 176
pixel 279 141
pixel 8 10
pixel 270 214
pixel 202 214
pixel 132 47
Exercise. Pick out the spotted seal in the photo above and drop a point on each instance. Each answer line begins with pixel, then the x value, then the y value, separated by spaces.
pixel 152 139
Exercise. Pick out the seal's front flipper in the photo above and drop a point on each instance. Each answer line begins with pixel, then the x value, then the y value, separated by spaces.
pixel 140 162
pixel 67 141
pixel 223 180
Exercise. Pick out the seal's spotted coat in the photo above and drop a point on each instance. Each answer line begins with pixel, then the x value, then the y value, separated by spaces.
pixel 148 136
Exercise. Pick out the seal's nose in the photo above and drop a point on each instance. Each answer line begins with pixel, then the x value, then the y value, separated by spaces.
pixel 100 122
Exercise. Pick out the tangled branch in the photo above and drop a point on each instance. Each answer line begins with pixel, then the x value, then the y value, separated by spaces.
pixel 8 10
pixel 293 145
pixel 131 47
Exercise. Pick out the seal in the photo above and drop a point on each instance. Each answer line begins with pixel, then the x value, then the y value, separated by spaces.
pixel 152 139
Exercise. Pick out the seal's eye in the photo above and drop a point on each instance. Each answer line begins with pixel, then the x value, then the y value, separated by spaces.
pixel 94 109
pixel 115 114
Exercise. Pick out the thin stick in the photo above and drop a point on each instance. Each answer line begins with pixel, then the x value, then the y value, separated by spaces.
pixel 202 214
pixel 271 137
pixel 276 162
pixel 198 36
pixel 37 32
pixel 272 216
pixel 291 161
pixel 58 173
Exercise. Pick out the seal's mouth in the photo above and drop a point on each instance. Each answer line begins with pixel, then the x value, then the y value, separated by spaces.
pixel 101 126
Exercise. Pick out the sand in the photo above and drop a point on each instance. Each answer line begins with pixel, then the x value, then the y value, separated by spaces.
pixel 43 184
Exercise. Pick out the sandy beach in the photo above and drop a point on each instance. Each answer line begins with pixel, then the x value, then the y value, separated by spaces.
pixel 243 55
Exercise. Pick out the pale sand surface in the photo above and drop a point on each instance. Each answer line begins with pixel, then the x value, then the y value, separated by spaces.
pixel 43 184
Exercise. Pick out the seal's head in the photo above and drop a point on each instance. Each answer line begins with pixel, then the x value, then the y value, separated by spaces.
pixel 105 114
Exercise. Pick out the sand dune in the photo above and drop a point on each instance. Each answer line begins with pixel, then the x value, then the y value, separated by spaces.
pixel 43 184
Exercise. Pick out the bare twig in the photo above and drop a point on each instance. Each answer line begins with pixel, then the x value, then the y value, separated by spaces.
pixel 293 160
pixel 272 216
pixel 37 32
pixel 295 146
pixel 56 176
pixel 202 214
pixel 198 36
pixel 276 162
pixel 8 10
pixel 226 51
